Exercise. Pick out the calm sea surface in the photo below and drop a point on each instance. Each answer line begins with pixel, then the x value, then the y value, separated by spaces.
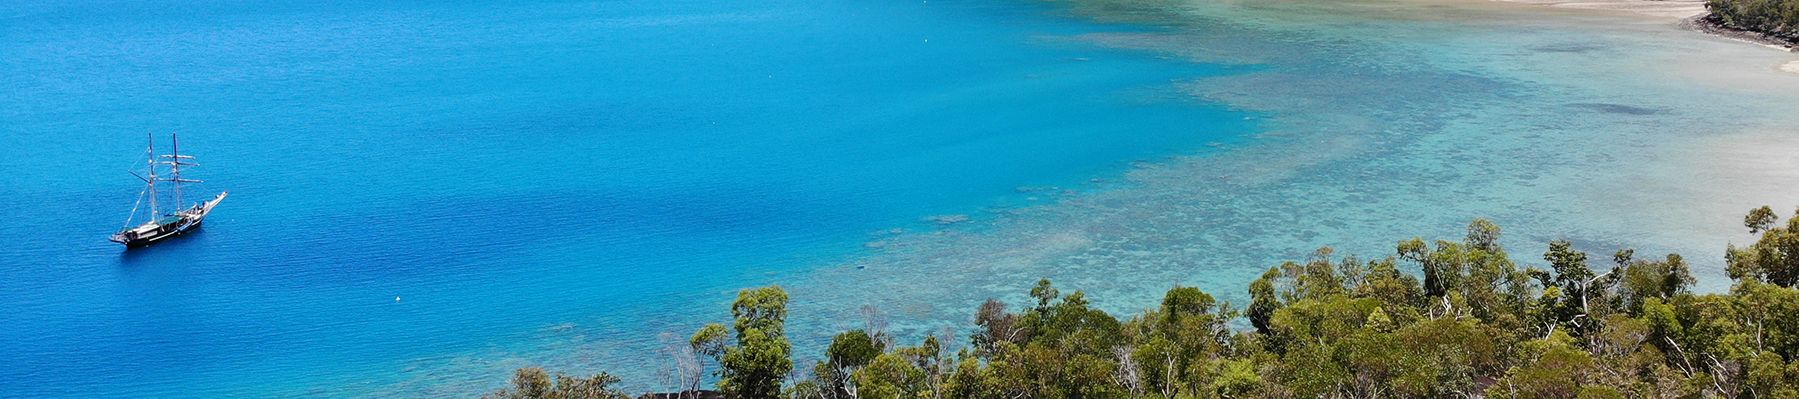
pixel 425 195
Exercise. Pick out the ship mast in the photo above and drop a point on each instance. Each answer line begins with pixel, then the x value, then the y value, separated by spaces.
pixel 154 213
pixel 175 164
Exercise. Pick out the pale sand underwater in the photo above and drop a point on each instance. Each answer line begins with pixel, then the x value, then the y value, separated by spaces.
pixel 1612 130
pixel 1380 121
pixel 1657 8
pixel 1687 13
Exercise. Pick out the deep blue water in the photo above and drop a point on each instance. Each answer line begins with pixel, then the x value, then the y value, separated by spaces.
pixel 427 195
pixel 413 182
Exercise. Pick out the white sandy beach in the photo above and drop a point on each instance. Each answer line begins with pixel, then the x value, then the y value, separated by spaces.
pixel 1673 9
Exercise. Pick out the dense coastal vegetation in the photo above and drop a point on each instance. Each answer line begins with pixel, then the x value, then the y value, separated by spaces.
pixel 1778 19
pixel 1436 319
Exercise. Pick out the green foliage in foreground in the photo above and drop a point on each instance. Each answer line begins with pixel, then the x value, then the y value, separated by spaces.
pixel 1775 17
pixel 534 383
pixel 1436 319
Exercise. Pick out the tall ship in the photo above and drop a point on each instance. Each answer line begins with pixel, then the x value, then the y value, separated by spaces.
pixel 180 217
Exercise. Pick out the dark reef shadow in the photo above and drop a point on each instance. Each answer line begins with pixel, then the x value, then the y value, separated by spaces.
pixel 1573 48
pixel 1622 109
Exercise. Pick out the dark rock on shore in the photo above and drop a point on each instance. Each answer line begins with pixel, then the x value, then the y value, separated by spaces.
pixel 1714 24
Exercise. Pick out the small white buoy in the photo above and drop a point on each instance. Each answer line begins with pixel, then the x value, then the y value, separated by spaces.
pixel 396 299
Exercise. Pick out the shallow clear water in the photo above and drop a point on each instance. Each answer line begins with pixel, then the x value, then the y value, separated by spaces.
pixel 426 195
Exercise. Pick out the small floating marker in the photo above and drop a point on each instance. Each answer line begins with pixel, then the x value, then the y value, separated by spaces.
pixel 396 299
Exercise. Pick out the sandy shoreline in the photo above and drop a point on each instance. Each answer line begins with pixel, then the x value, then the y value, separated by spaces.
pixel 1706 23
pixel 1689 14
pixel 1671 9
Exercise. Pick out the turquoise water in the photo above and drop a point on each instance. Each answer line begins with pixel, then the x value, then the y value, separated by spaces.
pixel 416 180
pixel 426 195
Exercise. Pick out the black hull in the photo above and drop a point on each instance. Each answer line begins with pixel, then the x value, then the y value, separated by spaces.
pixel 161 233
pixel 169 226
